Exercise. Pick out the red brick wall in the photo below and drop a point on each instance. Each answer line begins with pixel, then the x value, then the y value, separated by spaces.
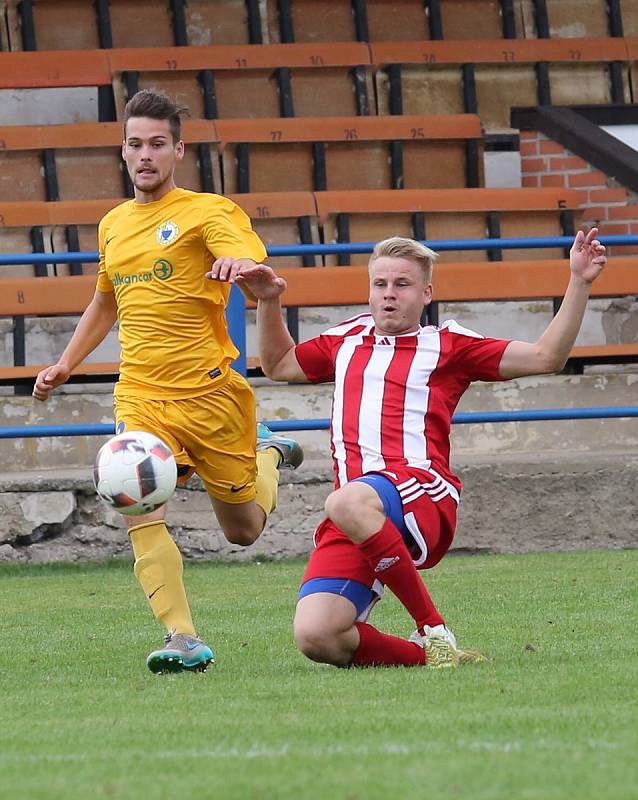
pixel 604 202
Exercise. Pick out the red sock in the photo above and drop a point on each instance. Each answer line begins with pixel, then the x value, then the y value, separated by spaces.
pixel 378 649
pixel 388 556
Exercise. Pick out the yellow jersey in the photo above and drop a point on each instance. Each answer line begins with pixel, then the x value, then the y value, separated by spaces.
pixel 173 333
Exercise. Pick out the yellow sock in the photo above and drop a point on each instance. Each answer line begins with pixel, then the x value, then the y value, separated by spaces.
pixel 267 482
pixel 159 568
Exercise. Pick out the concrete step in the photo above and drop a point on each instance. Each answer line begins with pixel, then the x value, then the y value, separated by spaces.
pixel 282 401
pixel 510 504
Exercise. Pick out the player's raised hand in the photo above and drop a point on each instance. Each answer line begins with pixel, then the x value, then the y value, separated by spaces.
pixel 48 379
pixel 226 268
pixel 587 256
pixel 262 282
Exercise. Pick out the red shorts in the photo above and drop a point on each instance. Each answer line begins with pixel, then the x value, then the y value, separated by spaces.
pixel 336 556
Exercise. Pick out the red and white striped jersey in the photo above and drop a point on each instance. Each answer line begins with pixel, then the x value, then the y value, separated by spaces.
pixel 395 395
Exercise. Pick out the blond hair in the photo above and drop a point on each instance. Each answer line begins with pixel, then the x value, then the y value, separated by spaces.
pixel 410 249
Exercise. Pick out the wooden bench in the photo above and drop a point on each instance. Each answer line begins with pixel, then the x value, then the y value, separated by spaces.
pixel 447 214
pixel 488 77
pixel 226 81
pixel 484 19
pixel 343 285
pixel 44 24
pixel 51 162
pixel 305 80
pixel 305 154
pixel 61 226
pixel 380 20
pixel 278 218
pixel 56 296
pixel 296 218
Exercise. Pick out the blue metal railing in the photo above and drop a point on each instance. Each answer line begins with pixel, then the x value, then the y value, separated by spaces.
pixel 440 245
pixel 460 418
pixel 236 311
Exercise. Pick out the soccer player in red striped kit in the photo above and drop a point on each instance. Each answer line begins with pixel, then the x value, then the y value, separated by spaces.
pixel 397 383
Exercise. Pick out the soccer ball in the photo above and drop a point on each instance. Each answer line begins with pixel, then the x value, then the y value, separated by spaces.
pixel 135 473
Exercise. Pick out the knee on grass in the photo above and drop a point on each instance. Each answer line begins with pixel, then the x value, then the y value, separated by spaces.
pixel 321 645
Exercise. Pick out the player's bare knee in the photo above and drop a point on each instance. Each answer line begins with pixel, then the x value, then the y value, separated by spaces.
pixel 315 643
pixel 336 507
pixel 242 535
pixel 344 505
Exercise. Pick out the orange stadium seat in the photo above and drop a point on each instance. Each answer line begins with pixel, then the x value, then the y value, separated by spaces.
pixel 305 154
pixel 574 18
pixel 445 214
pixel 380 20
pixel 228 81
pixel 254 81
pixel 455 282
pixel 52 162
pixel 44 24
pixel 278 217
pixel 457 76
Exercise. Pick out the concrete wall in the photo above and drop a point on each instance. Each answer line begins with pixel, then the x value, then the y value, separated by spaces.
pixel 528 486
pixel 607 321
pixel 281 401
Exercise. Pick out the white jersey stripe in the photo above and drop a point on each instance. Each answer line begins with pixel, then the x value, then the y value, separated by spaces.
pixel 371 408
pixel 354 322
pixel 341 365
pixel 415 445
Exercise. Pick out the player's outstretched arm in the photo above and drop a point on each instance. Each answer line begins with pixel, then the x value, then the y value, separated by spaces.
pixel 276 345
pixel 549 354
pixel 228 269
pixel 94 324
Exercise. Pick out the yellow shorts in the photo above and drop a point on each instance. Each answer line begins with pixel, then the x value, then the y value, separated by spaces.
pixel 214 434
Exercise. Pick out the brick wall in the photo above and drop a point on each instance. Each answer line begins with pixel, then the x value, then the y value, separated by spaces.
pixel 604 202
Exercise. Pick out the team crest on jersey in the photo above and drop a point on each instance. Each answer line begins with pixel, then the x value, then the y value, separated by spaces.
pixel 167 233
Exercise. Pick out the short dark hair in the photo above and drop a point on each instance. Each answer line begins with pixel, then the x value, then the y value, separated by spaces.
pixel 156 105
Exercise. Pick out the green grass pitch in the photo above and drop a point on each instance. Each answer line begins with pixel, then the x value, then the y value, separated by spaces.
pixel 554 716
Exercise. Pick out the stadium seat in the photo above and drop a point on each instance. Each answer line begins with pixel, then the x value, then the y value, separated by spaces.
pixel 282 218
pixel 51 227
pixel 305 154
pixel 254 81
pixel 572 18
pixel 44 24
pixel 447 214
pixel 379 20
pixel 54 69
pixel 278 217
pixel 52 162
pixel 455 282
pixel 313 21
pixel 227 81
pixel 456 77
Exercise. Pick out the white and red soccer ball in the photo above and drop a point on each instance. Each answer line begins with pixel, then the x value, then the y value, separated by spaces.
pixel 135 472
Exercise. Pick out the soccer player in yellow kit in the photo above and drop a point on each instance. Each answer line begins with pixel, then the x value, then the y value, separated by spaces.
pixel 167 261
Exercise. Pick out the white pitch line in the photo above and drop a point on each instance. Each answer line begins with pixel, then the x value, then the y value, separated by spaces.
pixel 295 750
